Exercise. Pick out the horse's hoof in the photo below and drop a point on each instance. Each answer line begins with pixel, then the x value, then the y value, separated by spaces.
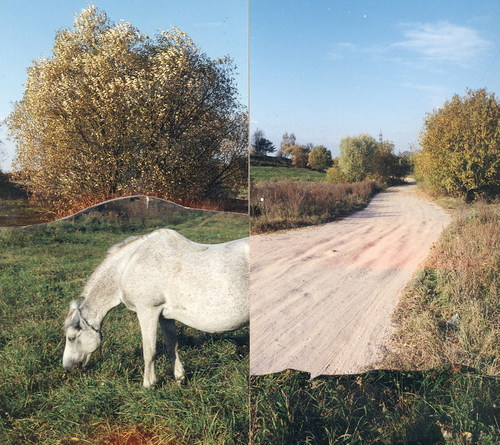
pixel 180 380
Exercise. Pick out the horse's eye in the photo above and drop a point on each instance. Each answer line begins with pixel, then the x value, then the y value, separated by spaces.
pixel 71 339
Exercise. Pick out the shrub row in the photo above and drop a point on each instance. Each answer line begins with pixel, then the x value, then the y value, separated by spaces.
pixel 286 205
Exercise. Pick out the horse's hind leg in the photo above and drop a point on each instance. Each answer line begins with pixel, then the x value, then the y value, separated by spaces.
pixel 170 335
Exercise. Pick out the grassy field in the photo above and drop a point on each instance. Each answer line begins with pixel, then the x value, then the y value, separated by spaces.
pixel 268 173
pixel 41 270
pixel 14 207
pixel 455 403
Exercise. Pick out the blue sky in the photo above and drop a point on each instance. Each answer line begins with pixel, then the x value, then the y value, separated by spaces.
pixel 28 28
pixel 329 69
pixel 321 69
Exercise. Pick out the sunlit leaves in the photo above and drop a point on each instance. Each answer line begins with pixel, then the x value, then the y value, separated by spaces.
pixel 362 157
pixel 114 112
pixel 460 145
pixel 357 156
pixel 320 158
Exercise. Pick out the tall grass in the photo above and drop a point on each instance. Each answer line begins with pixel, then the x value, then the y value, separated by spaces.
pixel 379 407
pixel 286 205
pixel 450 314
pixel 41 270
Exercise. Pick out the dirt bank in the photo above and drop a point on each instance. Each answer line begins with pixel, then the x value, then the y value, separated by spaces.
pixel 322 297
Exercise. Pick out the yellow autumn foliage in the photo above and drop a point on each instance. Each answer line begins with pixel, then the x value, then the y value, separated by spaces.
pixel 115 112
pixel 460 143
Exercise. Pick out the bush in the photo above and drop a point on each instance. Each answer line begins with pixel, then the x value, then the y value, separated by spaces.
pixel 285 205
pixel 334 174
pixel 319 158
pixel 460 143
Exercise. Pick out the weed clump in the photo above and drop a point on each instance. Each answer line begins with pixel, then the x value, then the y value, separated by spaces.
pixel 449 315
pixel 286 205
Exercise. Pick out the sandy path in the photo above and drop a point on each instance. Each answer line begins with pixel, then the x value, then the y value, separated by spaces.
pixel 322 297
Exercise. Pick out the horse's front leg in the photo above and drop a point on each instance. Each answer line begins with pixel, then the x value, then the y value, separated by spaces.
pixel 148 320
pixel 170 335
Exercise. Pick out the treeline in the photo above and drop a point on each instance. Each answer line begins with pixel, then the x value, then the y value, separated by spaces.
pixel 361 157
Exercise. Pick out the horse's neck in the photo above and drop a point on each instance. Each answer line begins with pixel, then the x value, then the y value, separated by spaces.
pixel 102 291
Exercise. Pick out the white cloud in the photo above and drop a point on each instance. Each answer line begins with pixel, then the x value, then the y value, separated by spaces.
pixel 443 42
pixel 340 50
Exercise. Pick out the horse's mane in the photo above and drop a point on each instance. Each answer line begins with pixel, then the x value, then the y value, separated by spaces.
pixel 114 248
pixel 118 246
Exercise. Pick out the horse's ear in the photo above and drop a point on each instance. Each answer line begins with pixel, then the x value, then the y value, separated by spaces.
pixel 73 319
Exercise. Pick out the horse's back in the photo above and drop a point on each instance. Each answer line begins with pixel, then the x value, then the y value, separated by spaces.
pixel 202 285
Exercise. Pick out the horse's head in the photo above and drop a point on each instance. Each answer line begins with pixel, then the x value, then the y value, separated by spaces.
pixel 81 339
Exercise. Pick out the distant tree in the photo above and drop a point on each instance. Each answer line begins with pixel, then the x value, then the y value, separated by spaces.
pixel 299 154
pixel 460 146
pixel 2 154
pixel 388 165
pixel 407 158
pixel 287 141
pixel 357 157
pixel 114 112
pixel 320 158
pixel 261 145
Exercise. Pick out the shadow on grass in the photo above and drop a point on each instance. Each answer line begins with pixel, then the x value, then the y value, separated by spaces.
pixel 387 407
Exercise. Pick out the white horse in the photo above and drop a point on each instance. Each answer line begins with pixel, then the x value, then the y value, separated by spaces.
pixel 162 277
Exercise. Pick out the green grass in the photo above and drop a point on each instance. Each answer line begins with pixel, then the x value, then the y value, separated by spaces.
pixel 379 407
pixel 41 270
pixel 262 174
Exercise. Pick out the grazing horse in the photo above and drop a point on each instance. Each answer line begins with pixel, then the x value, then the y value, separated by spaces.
pixel 163 277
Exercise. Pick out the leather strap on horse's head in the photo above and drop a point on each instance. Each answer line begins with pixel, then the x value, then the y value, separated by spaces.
pixel 87 323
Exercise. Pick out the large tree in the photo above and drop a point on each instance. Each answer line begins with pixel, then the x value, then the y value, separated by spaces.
pixel 114 111
pixel 357 158
pixel 460 145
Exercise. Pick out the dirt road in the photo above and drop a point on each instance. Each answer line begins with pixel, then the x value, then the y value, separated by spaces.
pixel 322 297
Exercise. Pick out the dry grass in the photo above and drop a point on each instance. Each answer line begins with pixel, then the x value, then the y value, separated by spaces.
pixel 285 205
pixel 132 436
pixel 460 277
